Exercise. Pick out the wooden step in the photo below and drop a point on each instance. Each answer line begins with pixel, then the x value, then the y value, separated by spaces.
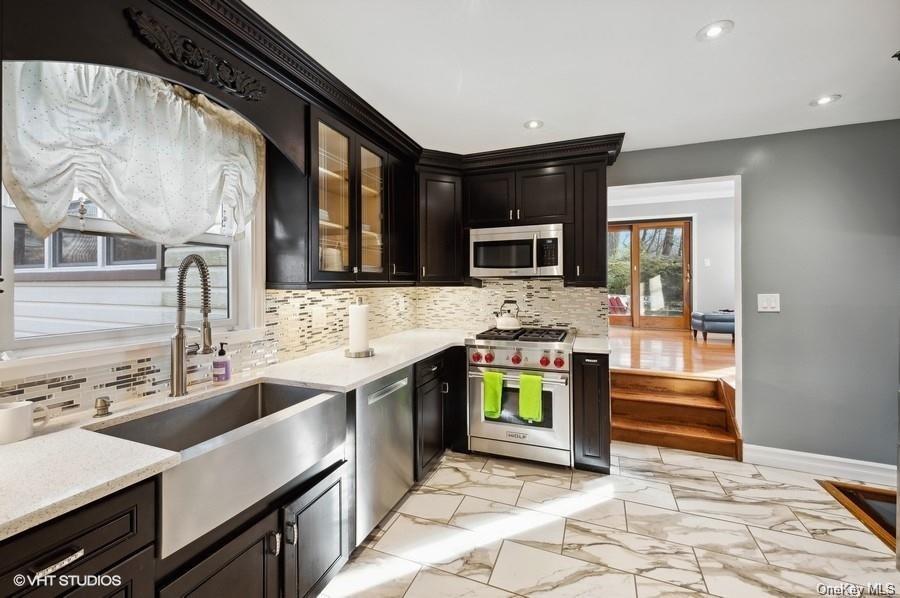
pixel 663 382
pixel 702 439
pixel 669 408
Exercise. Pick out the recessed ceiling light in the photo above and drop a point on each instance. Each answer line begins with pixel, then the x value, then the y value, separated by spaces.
pixel 825 100
pixel 715 30
pixel 533 124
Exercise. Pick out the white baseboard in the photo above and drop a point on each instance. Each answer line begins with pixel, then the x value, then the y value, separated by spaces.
pixel 838 467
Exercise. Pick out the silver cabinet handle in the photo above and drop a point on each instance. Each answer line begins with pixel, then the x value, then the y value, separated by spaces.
pixel 74 556
pixel 394 268
pixel 518 214
pixel 577 270
pixel 292 539
pixel 510 215
pixel 445 388
pixel 434 368
pixel 423 271
pixel 275 543
pixel 355 270
pixel 387 390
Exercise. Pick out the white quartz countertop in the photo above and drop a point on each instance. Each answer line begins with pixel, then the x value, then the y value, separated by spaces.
pixel 71 465
pixel 591 344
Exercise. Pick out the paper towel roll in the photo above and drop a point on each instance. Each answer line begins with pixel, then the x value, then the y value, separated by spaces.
pixel 359 328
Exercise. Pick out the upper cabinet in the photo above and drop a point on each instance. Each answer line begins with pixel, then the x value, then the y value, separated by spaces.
pixel 543 195
pixel 490 199
pixel 348 204
pixel 586 262
pixel 402 245
pixel 441 241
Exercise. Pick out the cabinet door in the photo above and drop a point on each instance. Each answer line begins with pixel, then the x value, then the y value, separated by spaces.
pixel 287 222
pixel 589 268
pixel 316 535
pixel 490 199
pixel 429 414
pixel 372 187
pixel 332 207
pixel 403 221
pixel 591 412
pixel 545 195
pixel 246 566
pixel 456 436
pixel 440 230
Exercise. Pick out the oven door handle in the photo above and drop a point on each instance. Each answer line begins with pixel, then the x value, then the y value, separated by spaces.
pixel 552 381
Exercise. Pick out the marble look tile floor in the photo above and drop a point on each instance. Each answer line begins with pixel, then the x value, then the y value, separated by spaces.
pixel 667 523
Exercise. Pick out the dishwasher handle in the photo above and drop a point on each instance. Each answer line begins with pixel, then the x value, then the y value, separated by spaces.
pixel 387 391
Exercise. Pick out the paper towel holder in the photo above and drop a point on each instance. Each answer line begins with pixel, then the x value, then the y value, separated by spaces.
pixel 369 352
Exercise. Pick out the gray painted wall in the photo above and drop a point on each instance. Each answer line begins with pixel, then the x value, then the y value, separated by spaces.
pixel 712 230
pixel 820 215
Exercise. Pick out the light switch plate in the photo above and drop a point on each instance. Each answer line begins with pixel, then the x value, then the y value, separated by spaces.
pixel 768 302
pixel 707 262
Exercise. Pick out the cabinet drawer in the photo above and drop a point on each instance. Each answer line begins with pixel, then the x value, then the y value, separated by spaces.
pixel 135 575
pixel 84 542
pixel 429 369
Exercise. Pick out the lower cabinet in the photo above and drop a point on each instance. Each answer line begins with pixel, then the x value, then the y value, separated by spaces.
pixel 134 576
pixel 591 411
pixel 439 410
pixel 316 532
pixel 247 566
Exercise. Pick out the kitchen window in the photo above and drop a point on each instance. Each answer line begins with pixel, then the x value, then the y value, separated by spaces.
pixel 92 281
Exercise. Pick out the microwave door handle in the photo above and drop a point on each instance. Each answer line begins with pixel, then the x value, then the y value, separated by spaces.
pixel 534 252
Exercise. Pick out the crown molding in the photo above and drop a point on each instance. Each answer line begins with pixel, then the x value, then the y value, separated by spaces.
pixel 240 21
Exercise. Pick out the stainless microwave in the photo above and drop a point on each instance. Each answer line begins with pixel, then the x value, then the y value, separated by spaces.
pixel 516 251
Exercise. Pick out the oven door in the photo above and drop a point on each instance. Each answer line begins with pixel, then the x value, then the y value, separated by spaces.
pixel 503 254
pixel 551 432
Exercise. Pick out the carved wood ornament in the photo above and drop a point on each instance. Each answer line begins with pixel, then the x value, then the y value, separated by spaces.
pixel 183 52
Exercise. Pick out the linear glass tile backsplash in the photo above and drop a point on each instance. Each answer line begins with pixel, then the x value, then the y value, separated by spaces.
pixel 307 321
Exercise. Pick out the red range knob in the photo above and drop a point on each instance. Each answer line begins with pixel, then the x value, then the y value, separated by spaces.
pixel 489 358
pixel 545 361
pixel 516 359
pixel 559 362
pixel 476 356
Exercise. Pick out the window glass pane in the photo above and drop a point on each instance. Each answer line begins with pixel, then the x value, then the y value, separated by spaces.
pixel 73 248
pixel 618 248
pixel 125 249
pixel 28 248
pixel 662 271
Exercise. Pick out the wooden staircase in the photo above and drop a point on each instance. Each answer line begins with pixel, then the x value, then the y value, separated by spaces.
pixel 681 411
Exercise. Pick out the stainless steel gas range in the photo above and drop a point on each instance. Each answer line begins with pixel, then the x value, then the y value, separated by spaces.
pixel 543 351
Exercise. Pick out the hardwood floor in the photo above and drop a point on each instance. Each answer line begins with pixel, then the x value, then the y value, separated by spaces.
pixel 671 351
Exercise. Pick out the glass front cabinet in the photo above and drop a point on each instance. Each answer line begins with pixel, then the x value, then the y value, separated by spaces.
pixel 348 204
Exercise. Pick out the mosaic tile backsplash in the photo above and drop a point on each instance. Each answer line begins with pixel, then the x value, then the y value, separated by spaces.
pixel 302 322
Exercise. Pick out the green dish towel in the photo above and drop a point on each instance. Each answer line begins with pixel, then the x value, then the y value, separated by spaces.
pixel 530 401
pixel 493 389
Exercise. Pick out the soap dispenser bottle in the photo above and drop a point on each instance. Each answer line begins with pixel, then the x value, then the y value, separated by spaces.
pixel 221 366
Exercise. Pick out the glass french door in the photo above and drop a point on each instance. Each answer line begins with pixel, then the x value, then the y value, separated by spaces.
pixel 649 277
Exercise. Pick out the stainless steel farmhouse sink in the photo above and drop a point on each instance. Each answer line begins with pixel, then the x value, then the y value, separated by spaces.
pixel 236 448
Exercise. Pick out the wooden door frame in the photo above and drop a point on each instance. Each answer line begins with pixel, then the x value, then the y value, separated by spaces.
pixel 635 320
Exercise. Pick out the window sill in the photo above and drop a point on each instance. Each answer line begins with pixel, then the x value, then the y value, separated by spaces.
pixel 25 363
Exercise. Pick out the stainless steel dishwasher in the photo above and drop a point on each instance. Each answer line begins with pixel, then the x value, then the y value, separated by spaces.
pixel 384 447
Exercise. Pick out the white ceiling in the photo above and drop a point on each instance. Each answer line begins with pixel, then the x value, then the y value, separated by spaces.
pixel 463 75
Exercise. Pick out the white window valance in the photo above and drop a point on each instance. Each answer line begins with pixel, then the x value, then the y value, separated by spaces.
pixel 158 160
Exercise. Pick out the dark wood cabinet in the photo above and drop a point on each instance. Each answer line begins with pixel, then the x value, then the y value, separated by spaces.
pixel 88 541
pixel 545 195
pixel 135 574
pixel 402 244
pixel 591 411
pixel 248 565
pixel 429 414
pixel 456 426
pixel 490 199
pixel 287 222
pixel 440 228
pixel 586 259
pixel 316 530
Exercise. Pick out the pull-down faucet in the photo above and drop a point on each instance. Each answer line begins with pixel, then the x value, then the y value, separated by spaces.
pixel 178 387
